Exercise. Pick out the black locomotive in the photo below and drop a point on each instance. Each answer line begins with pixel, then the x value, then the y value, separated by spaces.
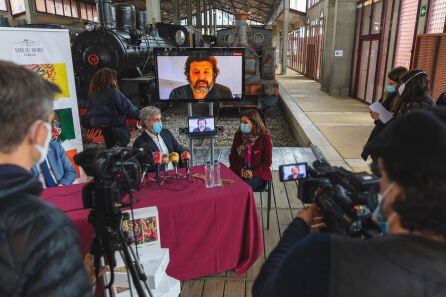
pixel 125 42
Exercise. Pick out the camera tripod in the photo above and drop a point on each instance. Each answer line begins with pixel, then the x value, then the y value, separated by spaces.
pixel 131 262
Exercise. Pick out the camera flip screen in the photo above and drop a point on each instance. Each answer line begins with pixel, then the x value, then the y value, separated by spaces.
pixel 293 172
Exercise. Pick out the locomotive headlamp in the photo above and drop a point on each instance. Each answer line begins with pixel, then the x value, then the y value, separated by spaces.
pixel 89 27
pixel 180 37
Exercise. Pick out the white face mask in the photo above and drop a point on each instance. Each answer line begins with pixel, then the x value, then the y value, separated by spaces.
pixel 43 150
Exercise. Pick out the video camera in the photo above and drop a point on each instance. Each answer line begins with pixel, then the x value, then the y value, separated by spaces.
pixel 116 173
pixel 346 199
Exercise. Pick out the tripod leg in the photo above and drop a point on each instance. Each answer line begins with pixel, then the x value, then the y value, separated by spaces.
pixel 131 265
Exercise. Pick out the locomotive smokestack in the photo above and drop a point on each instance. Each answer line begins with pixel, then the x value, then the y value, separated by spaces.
pixel 104 8
pixel 241 29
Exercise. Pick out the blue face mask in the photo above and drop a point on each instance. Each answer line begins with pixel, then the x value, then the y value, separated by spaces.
pixel 390 89
pixel 157 127
pixel 245 128
pixel 378 216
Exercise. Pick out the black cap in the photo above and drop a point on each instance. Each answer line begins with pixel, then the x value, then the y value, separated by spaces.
pixel 415 141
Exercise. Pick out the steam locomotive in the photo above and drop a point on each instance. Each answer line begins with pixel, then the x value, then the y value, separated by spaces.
pixel 260 80
pixel 125 43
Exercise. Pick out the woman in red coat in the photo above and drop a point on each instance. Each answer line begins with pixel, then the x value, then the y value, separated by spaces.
pixel 251 152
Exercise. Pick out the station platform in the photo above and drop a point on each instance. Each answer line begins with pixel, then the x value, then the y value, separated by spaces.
pixel 339 126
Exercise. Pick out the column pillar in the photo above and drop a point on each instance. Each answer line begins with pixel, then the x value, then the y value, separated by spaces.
pixel 286 18
pixel 205 19
pixel 198 14
pixel 153 11
pixel 176 11
pixel 189 12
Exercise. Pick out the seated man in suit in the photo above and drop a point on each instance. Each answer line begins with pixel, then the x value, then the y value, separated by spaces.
pixel 56 169
pixel 201 123
pixel 154 137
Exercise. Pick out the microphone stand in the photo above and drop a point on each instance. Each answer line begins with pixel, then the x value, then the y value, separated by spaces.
pixel 166 175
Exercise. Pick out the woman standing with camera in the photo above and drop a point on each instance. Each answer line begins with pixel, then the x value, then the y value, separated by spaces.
pixel 107 108
pixel 251 152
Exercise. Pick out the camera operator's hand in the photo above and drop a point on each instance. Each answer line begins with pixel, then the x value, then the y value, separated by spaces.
pixel 312 216
pixel 89 267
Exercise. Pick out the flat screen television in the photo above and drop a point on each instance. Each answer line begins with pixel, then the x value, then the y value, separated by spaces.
pixel 200 74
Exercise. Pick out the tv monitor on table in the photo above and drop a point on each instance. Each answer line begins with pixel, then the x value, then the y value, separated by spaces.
pixel 200 74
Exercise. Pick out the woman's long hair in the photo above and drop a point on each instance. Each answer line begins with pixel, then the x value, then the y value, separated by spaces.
pixel 103 79
pixel 417 87
pixel 258 127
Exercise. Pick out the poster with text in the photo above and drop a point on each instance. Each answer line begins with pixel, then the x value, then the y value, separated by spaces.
pixel 48 53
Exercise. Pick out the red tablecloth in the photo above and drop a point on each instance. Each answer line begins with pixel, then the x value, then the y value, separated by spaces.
pixel 207 231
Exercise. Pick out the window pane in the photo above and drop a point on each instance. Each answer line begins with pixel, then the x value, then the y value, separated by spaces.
pixel 83 8
pixel 406 32
pixel 40 5
pixel 17 6
pixel 67 7
pixel 59 7
pixel 50 6
pixel 95 14
pixel 377 12
pixel 437 17
pixel 74 9
pixel 3 5
pixel 89 13
pixel 367 11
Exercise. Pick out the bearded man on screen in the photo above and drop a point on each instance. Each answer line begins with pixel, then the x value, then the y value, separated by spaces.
pixel 201 72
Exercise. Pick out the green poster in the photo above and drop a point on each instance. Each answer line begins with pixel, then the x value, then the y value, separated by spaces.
pixel 63 126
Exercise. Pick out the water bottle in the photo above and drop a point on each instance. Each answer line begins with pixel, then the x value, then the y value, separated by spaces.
pixel 217 175
pixel 209 175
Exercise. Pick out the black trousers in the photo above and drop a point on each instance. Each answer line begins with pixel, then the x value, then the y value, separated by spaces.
pixel 116 136
pixel 256 183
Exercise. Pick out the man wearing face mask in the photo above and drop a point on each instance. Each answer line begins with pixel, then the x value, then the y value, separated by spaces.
pixel 154 137
pixel 40 252
pixel 409 259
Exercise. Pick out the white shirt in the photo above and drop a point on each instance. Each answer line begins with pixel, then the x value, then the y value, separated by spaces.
pixel 161 146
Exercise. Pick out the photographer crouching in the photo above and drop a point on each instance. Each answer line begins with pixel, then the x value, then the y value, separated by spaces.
pixel 409 259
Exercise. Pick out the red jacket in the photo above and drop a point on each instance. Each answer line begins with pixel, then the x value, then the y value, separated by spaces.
pixel 261 159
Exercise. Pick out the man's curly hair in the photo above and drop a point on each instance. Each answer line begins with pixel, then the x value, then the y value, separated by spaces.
pixel 200 57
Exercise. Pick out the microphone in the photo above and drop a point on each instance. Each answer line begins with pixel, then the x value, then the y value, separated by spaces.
pixel 185 157
pixel 165 162
pixel 174 158
pixel 157 160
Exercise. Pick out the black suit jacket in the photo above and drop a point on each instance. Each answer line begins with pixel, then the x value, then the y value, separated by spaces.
pixel 146 142
pixel 206 129
pixel 185 92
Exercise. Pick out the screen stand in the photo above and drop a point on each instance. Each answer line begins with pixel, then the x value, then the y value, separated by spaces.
pixel 191 140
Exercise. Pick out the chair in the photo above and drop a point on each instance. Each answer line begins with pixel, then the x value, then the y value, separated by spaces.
pixel 268 189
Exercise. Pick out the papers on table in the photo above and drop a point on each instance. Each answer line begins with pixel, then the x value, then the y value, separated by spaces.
pixel 384 114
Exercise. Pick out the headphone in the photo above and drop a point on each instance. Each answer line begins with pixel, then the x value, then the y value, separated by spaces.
pixel 402 87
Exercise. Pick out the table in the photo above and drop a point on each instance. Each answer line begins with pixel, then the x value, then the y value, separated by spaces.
pixel 207 231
